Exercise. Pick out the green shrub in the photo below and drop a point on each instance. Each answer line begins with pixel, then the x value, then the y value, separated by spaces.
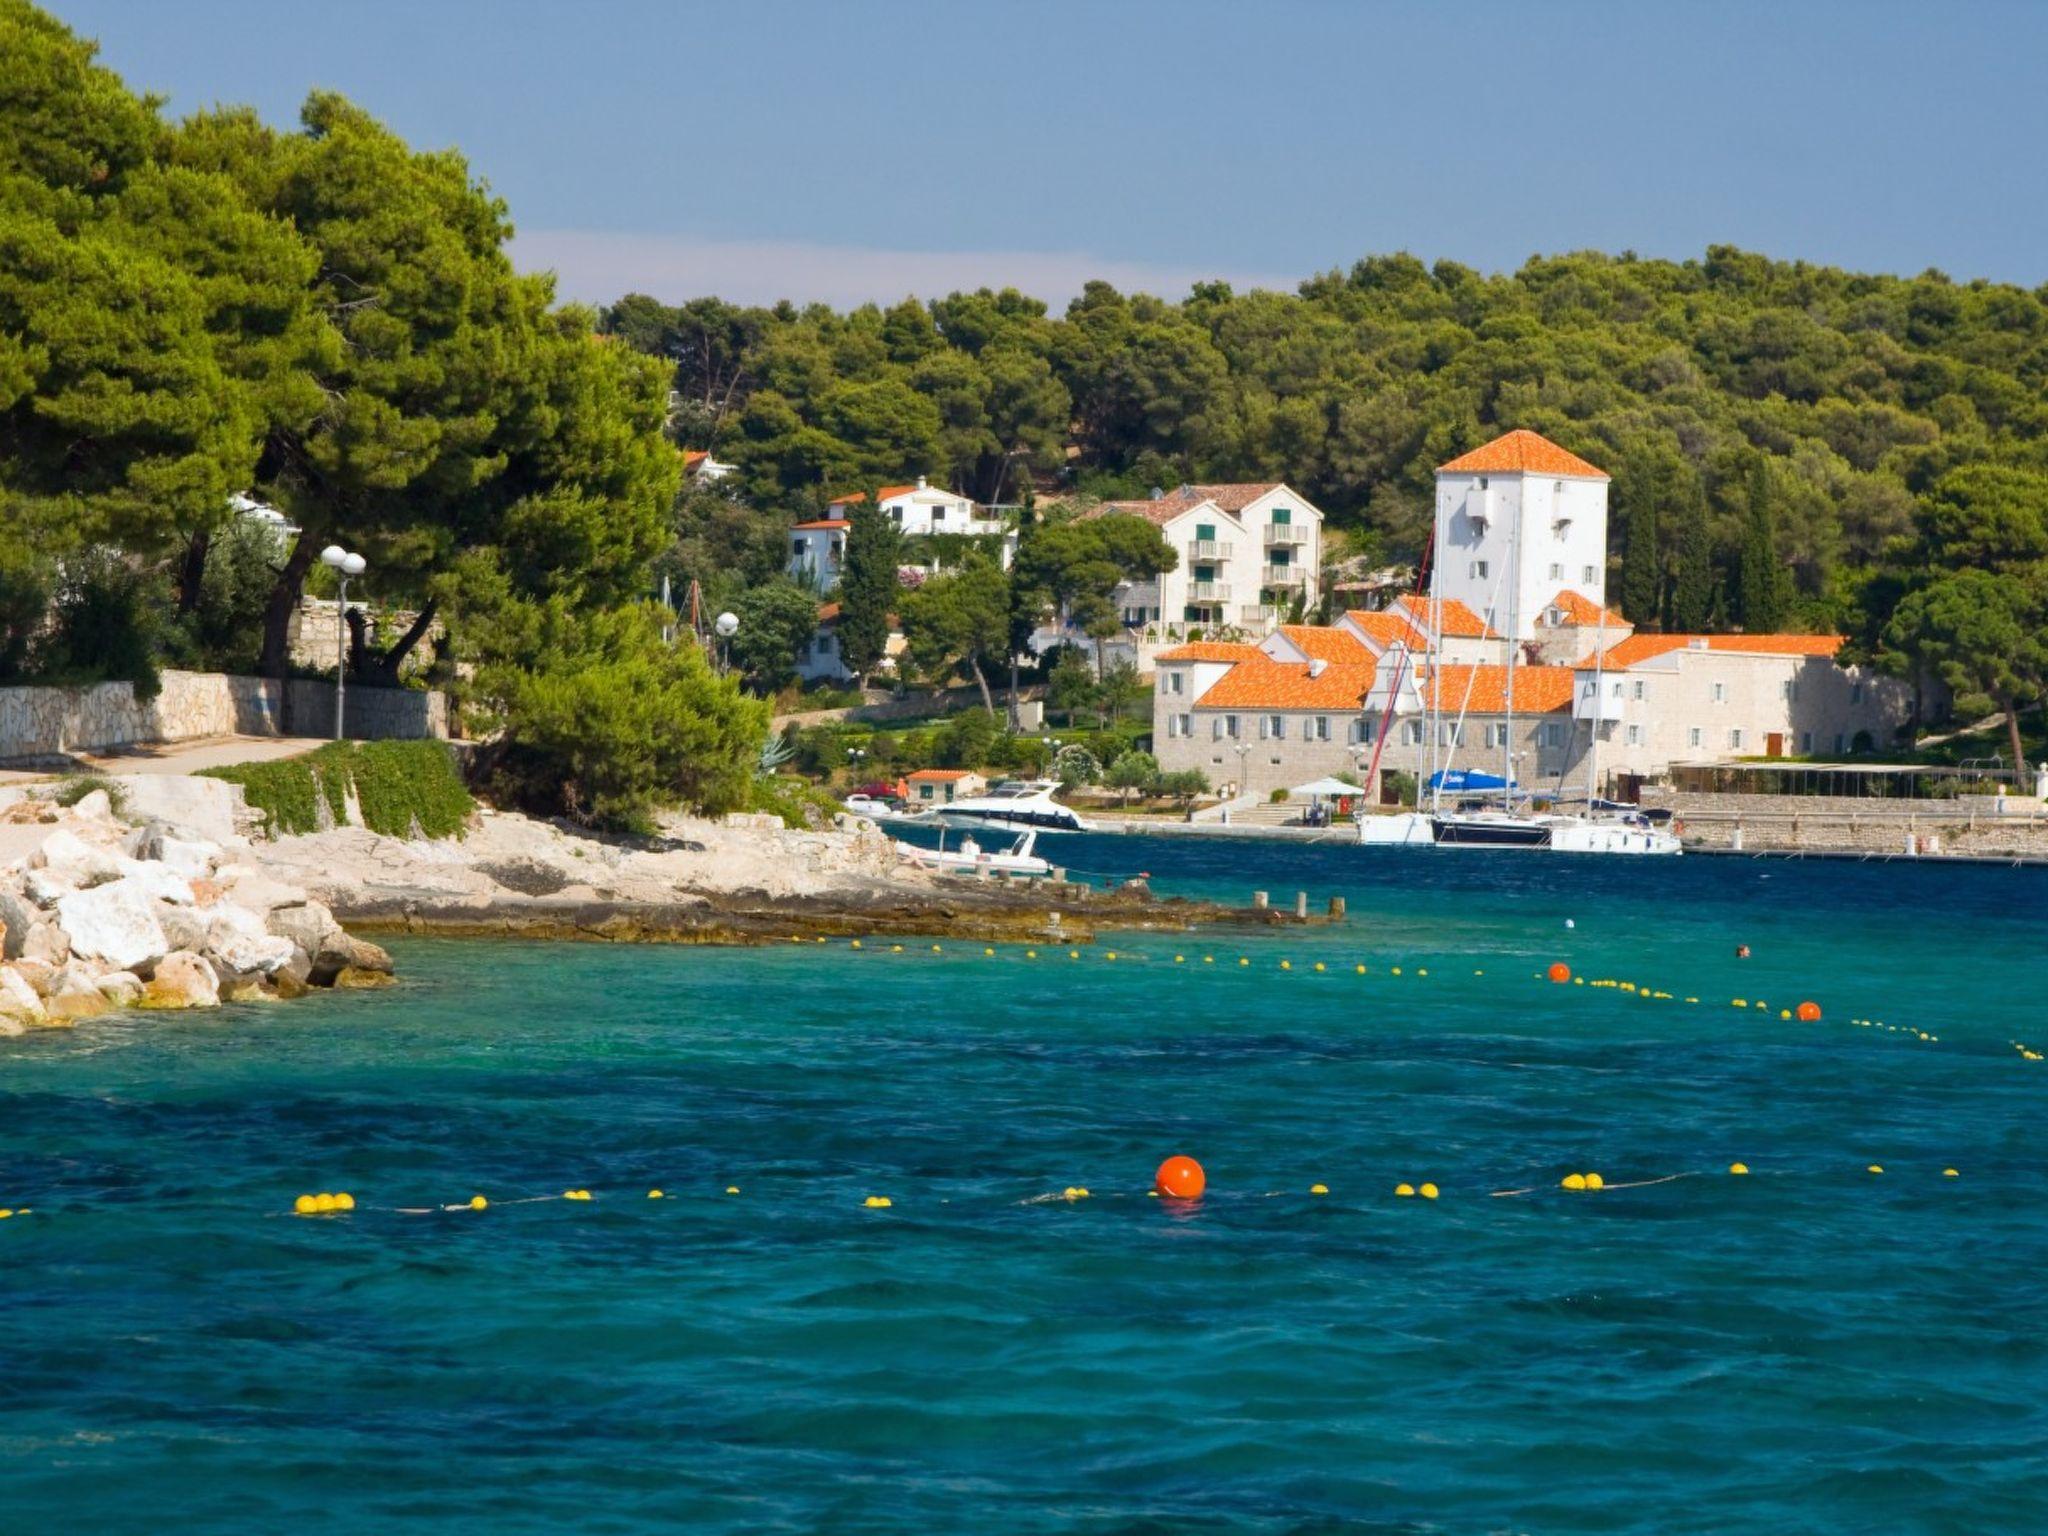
pixel 801 804
pixel 398 784
pixel 74 787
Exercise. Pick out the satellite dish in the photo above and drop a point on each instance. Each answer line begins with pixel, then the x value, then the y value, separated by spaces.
pixel 727 625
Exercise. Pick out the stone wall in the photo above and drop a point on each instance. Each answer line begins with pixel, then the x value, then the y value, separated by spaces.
pixel 41 725
pixel 1967 825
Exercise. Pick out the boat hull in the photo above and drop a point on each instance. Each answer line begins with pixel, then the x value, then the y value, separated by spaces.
pixel 1505 832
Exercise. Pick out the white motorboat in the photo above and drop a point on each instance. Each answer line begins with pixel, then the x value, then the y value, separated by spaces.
pixel 876 809
pixel 1010 804
pixel 969 858
pixel 1403 829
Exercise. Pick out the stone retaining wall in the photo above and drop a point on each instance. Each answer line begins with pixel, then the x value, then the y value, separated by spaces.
pixel 42 724
pixel 1968 824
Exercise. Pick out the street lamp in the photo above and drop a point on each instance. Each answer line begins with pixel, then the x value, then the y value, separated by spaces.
pixel 727 624
pixel 343 564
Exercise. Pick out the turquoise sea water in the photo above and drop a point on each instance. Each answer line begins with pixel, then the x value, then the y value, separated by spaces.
pixel 1811 1348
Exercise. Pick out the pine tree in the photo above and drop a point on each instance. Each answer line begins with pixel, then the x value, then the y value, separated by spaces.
pixel 1642 562
pixel 1760 592
pixel 867 587
pixel 1692 593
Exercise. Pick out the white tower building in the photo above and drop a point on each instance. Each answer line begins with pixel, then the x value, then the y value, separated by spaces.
pixel 1517 522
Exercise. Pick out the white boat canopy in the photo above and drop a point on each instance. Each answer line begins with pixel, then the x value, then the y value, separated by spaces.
pixel 1324 789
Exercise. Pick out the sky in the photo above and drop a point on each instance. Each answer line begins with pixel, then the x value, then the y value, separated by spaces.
pixel 868 149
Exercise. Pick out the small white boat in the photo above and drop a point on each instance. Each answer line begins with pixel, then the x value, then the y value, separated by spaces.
pixel 1012 803
pixel 1403 829
pixel 969 858
pixel 874 809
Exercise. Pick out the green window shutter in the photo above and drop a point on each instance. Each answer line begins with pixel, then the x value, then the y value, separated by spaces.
pixel 1282 516
pixel 1205 531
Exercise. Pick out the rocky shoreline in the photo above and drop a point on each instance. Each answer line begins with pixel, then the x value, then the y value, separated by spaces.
pixel 109 910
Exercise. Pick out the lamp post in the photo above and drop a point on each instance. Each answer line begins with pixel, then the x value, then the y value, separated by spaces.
pixel 344 565
pixel 1244 753
pixel 727 624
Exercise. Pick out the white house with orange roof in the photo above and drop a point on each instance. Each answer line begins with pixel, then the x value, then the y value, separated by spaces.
pixel 1516 520
pixel 817 552
pixel 1663 699
pixel 1250 554
pixel 920 511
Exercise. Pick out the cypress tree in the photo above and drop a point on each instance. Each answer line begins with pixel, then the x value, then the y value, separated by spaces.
pixel 1760 591
pixel 867 587
pixel 1692 593
pixel 1642 563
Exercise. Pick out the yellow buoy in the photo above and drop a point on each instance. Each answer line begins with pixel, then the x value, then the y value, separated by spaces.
pixel 1073 954
pixel 306 1205
pixel 1404 1189
pixel 344 1201
pixel 1574 1181
pixel 877 1202
pixel 1578 981
pixel 1738 1167
pixel 895 949
pixel 1286 965
pixel 1178 959
pixel 1784 1013
pixel 1111 955
pixel 478 1203
pixel 1242 961
pixel 1319 1189
pixel 654 1194
pixel 1949 1173
pixel 5 1213
pixel 1030 954
pixel 1397 970
pixel 1421 972
pixel 1319 965
pixel 323 1203
pixel 853 944
pixel 1076 1192
pixel 1875 1168
pixel 1594 1181
pixel 1427 1191
pixel 1738 1003
pixel 1361 970
pixel 732 1189
pixel 935 949
pixel 988 952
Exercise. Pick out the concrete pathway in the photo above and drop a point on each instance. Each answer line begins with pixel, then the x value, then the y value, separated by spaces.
pixel 176 757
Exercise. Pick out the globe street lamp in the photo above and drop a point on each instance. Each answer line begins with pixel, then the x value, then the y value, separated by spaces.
pixel 343 564
pixel 727 624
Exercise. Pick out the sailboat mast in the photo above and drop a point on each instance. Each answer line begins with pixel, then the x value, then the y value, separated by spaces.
pixel 1514 574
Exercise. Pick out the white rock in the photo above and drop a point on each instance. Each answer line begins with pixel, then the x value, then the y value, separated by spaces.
pixel 115 923
pixel 191 857
pixel 239 940
pixel 307 926
pixel 248 886
pixel 182 980
pixel 191 806
pixel 184 927
pixel 19 917
pixel 119 987
pixel 19 1004
pixel 94 806
pixel 45 887
pixel 161 881
pixel 71 857
pixel 46 942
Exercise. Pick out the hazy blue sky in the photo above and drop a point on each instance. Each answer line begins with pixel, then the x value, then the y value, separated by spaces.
pixel 855 150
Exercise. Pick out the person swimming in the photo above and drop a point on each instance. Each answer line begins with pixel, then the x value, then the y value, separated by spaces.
pixel 1742 951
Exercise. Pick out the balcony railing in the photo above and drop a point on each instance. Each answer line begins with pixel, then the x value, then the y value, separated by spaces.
pixel 1284 576
pixel 1209 549
pixel 1208 591
pixel 1286 533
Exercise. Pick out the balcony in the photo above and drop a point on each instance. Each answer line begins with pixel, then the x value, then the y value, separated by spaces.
pixel 1597 703
pixel 1208 591
pixel 1286 533
pixel 1209 549
pixel 1284 576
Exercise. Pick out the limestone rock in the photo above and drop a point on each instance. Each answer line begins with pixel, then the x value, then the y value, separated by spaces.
pixel 39 974
pixel 306 926
pixel 341 951
pixel 45 887
pixel 298 970
pixel 94 806
pixel 247 886
pixel 20 1007
pixel 120 988
pixel 70 857
pixel 46 942
pixel 115 923
pixel 76 997
pixel 193 858
pixel 184 927
pixel 289 983
pixel 238 939
pixel 18 918
pixel 248 987
pixel 352 978
pixel 158 880
pixel 189 806
pixel 182 980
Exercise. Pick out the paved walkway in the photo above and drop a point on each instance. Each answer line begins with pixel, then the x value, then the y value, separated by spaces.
pixel 177 757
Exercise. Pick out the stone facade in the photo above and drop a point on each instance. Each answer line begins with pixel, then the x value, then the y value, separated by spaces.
pixel 39 724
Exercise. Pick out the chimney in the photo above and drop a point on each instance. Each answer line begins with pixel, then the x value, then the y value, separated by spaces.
pixel 920 483
pixel 1158 494
pixel 1316 665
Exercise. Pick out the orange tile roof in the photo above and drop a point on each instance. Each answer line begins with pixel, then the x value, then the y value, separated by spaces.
pixel 1583 613
pixel 823 522
pixel 1163 509
pixel 1637 648
pixel 943 773
pixel 1210 650
pixel 1518 453
pixel 1458 623
pixel 1235 497
pixel 1327 643
pixel 1483 690
pixel 882 494
pixel 1386 628
pixel 1269 684
pixel 692 457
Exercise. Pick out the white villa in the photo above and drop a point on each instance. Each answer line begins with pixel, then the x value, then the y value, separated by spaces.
pixel 818 548
pixel 1248 555
pixel 1310 701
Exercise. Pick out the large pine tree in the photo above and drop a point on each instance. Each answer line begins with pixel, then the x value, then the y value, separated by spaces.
pixel 867 587
pixel 1760 591
pixel 1642 560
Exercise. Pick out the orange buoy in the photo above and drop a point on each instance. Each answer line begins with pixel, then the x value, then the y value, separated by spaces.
pixel 1559 971
pixel 1181 1178
pixel 1809 1013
